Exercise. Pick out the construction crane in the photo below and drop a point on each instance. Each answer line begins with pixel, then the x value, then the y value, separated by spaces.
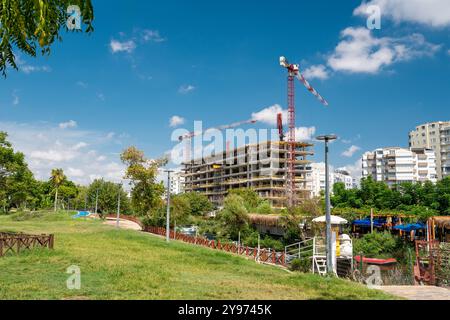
pixel 294 72
pixel 187 137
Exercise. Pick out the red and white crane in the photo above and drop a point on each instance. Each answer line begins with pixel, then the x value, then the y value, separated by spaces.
pixel 187 137
pixel 294 72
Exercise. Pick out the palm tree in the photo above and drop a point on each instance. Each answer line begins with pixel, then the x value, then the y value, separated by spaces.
pixel 57 179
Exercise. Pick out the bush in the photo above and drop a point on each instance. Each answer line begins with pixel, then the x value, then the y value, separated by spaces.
pixel 264 208
pixel 302 265
pixel 267 242
pixel 376 245
pixel 26 215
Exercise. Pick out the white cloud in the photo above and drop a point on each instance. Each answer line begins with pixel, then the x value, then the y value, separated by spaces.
pixel 122 46
pixel 68 124
pixel 76 173
pixel 350 151
pixel 355 170
pixel 152 36
pixel 176 121
pixel 360 52
pixel 316 72
pixel 80 145
pixel 100 96
pixel 83 155
pixel 185 89
pixel 30 69
pixel 305 133
pixel 110 135
pixel 16 98
pixel 434 13
pixel 27 68
pixel 82 84
pixel 53 155
pixel 269 115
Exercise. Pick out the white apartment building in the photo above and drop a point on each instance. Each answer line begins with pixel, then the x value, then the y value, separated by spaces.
pixel 396 165
pixel 316 178
pixel 177 182
pixel 436 136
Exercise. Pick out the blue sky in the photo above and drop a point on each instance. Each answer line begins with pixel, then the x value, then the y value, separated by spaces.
pixel 214 61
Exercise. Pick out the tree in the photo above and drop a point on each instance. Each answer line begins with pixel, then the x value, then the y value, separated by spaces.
pixel 57 178
pixel 233 218
pixel 146 193
pixel 251 198
pixel 17 183
pixel 198 203
pixel 108 194
pixel 28 25
pixel 180 209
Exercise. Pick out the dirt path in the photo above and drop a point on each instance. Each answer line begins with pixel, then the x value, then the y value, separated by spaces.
pixel 417 292
pixel 124 224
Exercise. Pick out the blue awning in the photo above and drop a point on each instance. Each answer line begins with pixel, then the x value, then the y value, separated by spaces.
pixel 410 227
pixel 366 223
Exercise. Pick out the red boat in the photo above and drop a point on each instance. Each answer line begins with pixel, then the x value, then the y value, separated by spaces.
pixel 379 262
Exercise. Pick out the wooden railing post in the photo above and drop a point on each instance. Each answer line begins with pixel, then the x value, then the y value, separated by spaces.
pixel 51 241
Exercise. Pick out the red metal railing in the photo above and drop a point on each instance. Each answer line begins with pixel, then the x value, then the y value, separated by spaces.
pixel 265 255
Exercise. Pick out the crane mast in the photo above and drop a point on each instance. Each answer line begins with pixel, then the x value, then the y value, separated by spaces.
pixel 294 72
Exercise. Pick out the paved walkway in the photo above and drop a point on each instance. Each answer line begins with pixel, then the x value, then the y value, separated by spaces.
pixel 417 292
pixel 124 224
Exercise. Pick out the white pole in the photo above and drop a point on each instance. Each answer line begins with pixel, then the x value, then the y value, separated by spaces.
pixel 96 201
pixel 371 220
pixel 118 207
pixel 168 207
pixel 259 247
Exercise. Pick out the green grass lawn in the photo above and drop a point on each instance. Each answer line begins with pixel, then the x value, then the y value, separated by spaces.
pixel 119 264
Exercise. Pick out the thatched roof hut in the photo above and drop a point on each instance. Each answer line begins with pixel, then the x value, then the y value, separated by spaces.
pixel 268 220
pixel 442 222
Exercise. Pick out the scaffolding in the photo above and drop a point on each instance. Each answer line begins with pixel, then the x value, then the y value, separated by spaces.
pixel 262 167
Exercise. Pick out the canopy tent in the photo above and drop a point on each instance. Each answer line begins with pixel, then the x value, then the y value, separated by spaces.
pixel 410 227
pixel 377 223
pixel 334 220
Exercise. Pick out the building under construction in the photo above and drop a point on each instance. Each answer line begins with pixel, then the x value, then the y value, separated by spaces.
pixel 262 167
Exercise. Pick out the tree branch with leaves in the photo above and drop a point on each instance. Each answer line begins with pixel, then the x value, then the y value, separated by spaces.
pixel 30 25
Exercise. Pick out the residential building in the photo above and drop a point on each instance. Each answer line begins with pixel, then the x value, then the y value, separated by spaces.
pixel 435 136
pixel 316 178
pixel 262 167
pixel 396 165
pixel 177 182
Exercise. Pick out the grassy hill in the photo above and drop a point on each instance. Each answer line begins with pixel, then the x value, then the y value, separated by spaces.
pixel 119 264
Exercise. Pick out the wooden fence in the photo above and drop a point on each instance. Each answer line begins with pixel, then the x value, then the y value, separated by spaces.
pixel 17 242
pixel 265 255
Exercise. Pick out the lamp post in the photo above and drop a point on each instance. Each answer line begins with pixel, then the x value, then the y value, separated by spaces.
pixel 96 201
pixel 329 249
pixel 168 206
pixel 118 206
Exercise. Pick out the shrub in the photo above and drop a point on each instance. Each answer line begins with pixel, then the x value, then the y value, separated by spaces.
pixel 302 265
pixel 264 208
pixel 376 245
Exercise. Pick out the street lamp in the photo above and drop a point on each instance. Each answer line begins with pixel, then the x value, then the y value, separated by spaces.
pixel 329 249
pixel 168 206
pixel 118 206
